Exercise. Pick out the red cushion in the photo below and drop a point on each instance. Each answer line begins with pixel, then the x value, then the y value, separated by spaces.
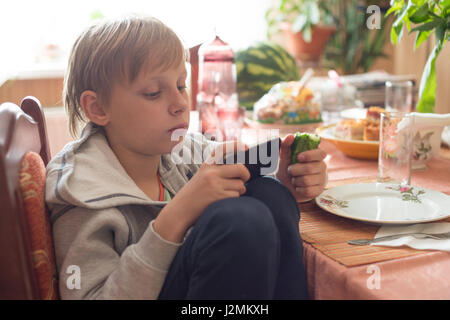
pixel 32 186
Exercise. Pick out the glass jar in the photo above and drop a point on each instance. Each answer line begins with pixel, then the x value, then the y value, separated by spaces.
pixel 217 98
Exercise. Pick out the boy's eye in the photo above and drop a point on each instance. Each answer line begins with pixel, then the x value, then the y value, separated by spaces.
pixel 152 94
pixel 156 94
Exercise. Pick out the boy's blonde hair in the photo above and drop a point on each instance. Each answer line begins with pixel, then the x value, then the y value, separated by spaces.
pixel 116 51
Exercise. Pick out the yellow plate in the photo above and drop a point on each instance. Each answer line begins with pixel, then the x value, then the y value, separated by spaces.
pixel 353 148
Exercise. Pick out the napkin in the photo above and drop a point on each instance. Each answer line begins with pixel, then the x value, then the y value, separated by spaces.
pixel 424 122
pixel 420 244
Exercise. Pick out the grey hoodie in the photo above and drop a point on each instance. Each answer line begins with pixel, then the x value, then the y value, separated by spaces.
pixel 105 244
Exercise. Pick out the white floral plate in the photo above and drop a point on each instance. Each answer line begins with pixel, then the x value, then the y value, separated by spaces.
pixel 385 203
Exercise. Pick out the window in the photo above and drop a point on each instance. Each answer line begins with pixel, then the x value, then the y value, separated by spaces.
pixel 28 26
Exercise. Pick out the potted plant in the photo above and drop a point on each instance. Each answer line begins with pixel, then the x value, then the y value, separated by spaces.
pixel 355 46
pixel 306 27
pixel 426 17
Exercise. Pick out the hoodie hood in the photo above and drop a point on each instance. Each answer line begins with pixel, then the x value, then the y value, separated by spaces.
pixel 87 173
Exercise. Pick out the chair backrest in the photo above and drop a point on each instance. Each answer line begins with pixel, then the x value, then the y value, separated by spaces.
pixel 31 106
pixel 20 138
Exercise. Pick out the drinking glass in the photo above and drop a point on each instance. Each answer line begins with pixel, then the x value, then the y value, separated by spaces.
pixel 394 158
pixel 399 96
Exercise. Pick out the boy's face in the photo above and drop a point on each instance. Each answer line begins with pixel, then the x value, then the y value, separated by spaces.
pixel 142 113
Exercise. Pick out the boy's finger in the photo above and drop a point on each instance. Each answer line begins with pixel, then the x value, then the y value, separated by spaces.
pixel 233 185
pixel 285 150
pixel 309 192
pixel 312 155
pixel 313 167
pixel 225 148
pixel 233 146
pixel 235 171
pixel 287 141
pixel 308 180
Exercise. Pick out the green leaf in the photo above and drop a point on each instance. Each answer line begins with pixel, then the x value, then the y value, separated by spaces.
pixel 397 33
pixel 299 23
pixel 422 36
pixel 427 90
pixel 440 32
pixel 427 26
pixel 307 33
pixel 396 6
pixel 313 13
pixel 402 14
pixel 397 26
pixel 394 37
pixel 391 9
pixel 96 15
pixel 421 14
pixel 445 4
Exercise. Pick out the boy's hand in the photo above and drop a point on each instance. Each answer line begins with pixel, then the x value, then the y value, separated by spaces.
pixel 212 182
pixel 306 179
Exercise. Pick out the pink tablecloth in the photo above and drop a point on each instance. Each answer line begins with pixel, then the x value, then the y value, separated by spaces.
pixel 423 276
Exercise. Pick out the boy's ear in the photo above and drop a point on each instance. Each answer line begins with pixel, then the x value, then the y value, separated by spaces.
pixel 93 109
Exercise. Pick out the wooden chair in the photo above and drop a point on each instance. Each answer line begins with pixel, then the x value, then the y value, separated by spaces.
pixel 27 262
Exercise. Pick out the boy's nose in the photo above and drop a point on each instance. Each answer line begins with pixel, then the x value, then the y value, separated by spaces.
pixel 179 104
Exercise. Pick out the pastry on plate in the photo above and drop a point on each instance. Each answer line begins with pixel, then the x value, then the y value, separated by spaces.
pixel 350 129
pixel 374 113
pixel 371 133
pixel 361 129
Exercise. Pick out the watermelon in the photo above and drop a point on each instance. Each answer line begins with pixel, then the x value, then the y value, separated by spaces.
pixel 259 67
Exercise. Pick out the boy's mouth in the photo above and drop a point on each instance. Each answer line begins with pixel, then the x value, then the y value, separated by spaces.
pixel 180 126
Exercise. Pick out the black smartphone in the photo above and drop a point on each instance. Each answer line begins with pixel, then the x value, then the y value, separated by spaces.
pixel 260 159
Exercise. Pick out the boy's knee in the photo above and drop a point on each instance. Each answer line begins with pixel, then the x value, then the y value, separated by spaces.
pixel 244 219
pixel 268 185
pixel 270 189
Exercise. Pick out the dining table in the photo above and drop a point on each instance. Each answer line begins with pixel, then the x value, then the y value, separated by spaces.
pixel 338 270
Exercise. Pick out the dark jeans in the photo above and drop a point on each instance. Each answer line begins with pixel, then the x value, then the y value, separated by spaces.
pixel 242 248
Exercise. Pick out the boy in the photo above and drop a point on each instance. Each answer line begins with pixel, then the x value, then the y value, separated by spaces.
pixel 138 226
